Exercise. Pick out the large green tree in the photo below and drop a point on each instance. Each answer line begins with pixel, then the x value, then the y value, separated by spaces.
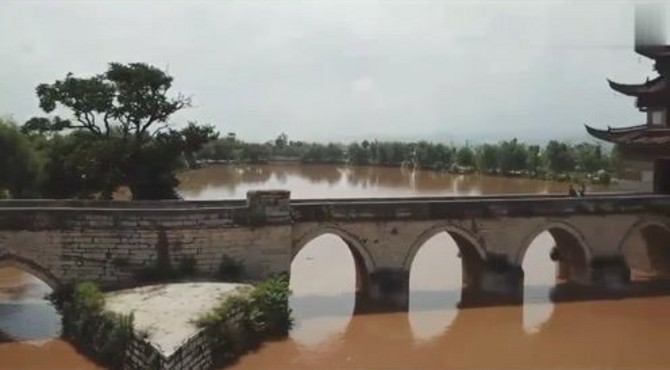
pixel 512 156
pixel 465 157
pixel 126 113
pixel 559 157
pixel 487 158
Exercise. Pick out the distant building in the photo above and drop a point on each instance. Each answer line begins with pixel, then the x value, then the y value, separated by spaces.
pixel 645 149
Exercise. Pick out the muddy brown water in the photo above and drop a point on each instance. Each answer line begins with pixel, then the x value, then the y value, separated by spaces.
pixel 628 333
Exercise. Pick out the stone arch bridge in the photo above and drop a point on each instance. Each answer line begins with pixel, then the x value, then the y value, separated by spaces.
pixel 112 242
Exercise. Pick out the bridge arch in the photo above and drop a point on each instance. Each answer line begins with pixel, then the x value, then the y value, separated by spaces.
pixel 653 257
pixel 573 253
pixel 31 267
pixel 363 262
pixel 470 249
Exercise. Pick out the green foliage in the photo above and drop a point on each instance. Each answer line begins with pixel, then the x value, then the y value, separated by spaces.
pixel 102 147
pixel 487 158
pixel 195 137
pixel 465 157
pixel 187 266
pixel 534 159
pixel 164 272
pixel 155 272
pixel 80 165
pixel 242 321
pixel 357 154
pixel 281 141
pixel 118 134
pixel 102 335
pixel 512 156
pixel 230 269
pixel 432 156
pixel 253 153
pixel 271 313
pixel 589 157
pixel 20 163
pixel 557 161
pixel 559 157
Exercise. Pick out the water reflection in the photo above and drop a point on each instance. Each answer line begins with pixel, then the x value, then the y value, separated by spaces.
pixel 596 334
pixel 24 313
pixel 313 181
pixel 323 282
pixel 435 286
pixel 539 280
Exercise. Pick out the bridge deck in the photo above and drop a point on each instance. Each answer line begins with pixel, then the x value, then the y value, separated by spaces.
pixel 227 203
pixel 350 209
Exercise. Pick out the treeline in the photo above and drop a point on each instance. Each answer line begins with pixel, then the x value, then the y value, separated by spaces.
pixel 118 133
pixel 556 160
pixel 80 165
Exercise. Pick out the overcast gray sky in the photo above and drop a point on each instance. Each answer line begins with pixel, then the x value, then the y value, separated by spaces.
pixel 339 70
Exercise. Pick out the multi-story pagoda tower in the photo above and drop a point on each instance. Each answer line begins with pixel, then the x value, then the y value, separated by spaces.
pixel 646 148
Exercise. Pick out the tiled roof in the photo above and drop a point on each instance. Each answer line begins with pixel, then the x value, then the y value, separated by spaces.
pixel 634 135
pixel 658 84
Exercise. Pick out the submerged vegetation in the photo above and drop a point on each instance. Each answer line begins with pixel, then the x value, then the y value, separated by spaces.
pixel 555 161
pixel 241 322
pixel 79 164
pixel 100 334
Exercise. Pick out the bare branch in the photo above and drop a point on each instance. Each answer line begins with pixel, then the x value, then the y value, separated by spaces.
pixel 105 119
pixel 158 130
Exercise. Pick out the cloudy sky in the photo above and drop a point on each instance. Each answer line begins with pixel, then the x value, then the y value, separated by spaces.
pixel 341 70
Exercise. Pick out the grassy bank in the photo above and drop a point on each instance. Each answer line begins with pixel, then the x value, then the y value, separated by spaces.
pixel 241 323
pixel 101 335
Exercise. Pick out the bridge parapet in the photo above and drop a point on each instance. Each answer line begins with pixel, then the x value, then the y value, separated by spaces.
pixel 474 207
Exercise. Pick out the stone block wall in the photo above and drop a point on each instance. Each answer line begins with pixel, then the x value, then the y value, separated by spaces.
pixel 194 354
pixel 115 246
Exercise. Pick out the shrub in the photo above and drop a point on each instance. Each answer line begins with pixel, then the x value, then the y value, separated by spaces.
pixel 242 321
pixel 187 266
pixel 230 269
pixel 153 272
pixel 100 334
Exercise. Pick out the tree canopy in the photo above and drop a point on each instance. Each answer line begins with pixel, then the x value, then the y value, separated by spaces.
pixel 19 163
pixel 119 131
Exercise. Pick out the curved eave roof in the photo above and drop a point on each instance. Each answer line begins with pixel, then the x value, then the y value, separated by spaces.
pixel 654 51
pixel 655 85
pixel 599 134
pixel 634 135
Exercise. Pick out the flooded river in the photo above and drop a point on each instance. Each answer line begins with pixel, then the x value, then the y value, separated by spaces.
pixel 626 333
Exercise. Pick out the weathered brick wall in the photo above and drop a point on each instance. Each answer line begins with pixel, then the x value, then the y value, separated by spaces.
pixel 71 241
pixel 194 354
pixel 115 246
